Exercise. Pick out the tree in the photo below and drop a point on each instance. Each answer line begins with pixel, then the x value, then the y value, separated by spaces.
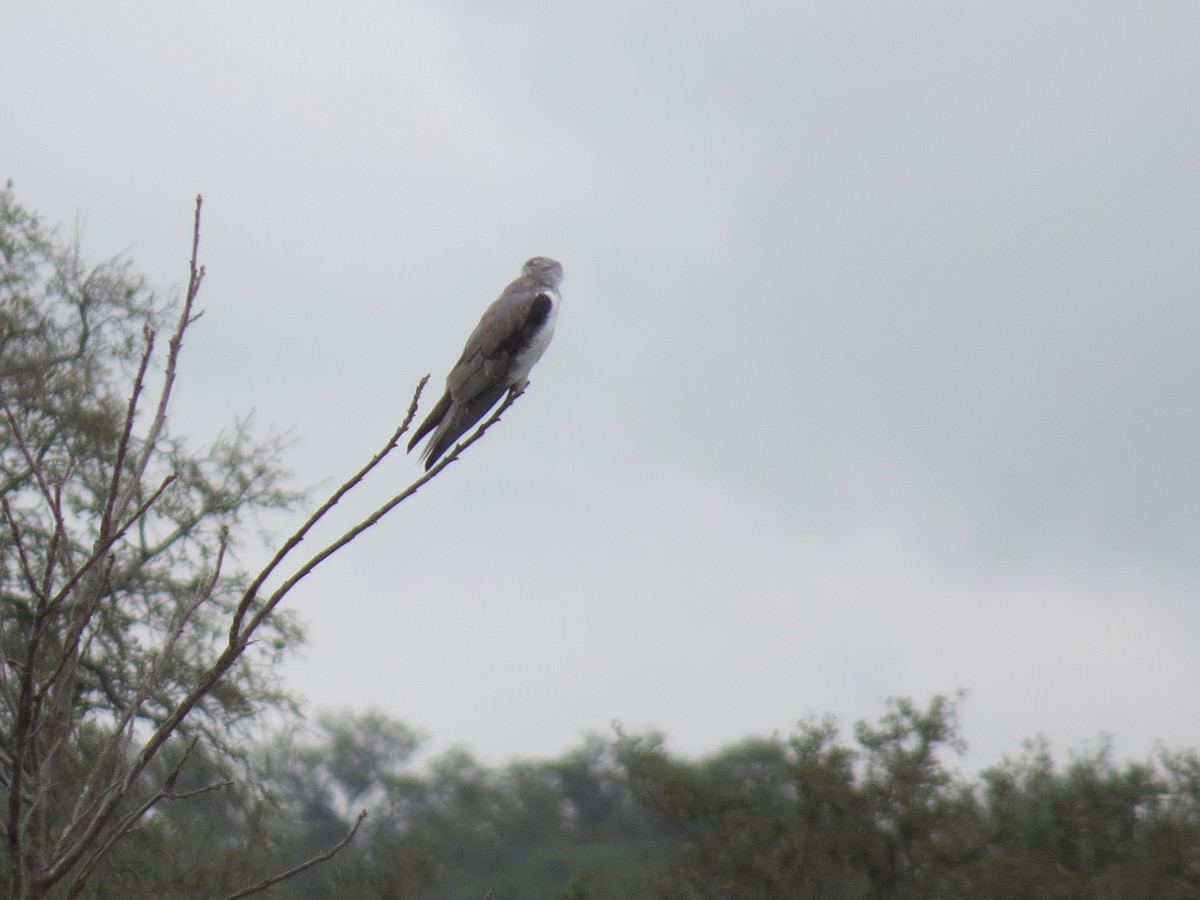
pixel 111 551
pixel 808 817
pixel 1092 830
pixel 128 650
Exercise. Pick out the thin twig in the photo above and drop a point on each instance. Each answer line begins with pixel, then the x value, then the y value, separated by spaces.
pixel 59 538
pixel 18 540
pixel 196 792
pixel 304 866
pixel 174 345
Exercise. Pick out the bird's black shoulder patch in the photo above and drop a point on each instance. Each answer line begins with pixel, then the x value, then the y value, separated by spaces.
pixel 539 311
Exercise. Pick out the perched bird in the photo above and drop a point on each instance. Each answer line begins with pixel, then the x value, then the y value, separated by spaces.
pixel 511 336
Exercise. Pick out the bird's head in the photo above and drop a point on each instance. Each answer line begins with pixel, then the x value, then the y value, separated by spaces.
pixel 544 270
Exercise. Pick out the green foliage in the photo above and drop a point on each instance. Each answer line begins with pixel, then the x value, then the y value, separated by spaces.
pixel 806 816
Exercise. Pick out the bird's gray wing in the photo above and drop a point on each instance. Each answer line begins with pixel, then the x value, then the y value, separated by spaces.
pixel 482 374
pixel 501 334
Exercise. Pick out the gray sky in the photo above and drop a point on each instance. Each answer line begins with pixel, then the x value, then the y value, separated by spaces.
pixel 876 373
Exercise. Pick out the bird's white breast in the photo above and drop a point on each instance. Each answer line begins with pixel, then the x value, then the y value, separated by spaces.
pixel 525 360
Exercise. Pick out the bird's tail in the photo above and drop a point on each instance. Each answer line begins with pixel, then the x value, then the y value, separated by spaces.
pixel 457 421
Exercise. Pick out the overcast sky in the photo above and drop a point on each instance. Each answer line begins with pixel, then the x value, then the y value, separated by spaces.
pixel 877 371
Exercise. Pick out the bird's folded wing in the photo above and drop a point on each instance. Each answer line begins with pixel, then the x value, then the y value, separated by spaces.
pixel 487 358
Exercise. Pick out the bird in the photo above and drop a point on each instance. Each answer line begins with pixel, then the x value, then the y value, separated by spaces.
pixel 511 336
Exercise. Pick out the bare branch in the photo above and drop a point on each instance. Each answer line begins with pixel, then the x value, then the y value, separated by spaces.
pixel 304 866
pixel 382 511
pixel 294 541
